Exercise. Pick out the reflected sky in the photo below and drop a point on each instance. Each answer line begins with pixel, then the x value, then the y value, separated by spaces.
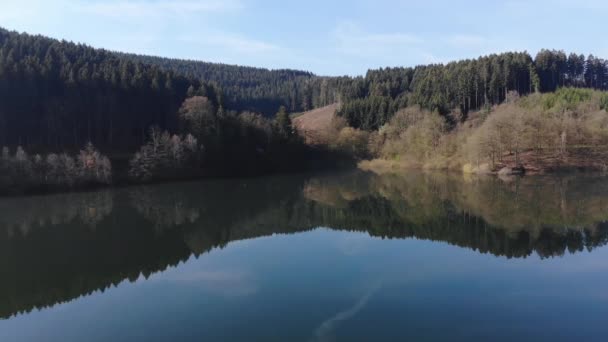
pixel 312 287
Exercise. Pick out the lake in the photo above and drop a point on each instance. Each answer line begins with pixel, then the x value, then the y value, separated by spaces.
pixel 348 256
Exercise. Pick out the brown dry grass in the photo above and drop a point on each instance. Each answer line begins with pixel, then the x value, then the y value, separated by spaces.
pixel 314 124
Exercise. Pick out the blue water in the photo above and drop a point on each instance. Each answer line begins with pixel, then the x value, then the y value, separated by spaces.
pixel 315 284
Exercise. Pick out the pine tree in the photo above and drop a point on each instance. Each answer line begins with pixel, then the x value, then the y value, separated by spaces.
pixel 283 123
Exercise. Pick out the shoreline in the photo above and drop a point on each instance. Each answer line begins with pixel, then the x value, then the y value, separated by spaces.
pixel 505 168
pixel 209 174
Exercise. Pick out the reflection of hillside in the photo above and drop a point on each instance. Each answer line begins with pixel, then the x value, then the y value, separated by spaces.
pixel 527 204
pixel 327 190
pixel 148 230
pixel 165 211
pixel 49 266
pixel 463 230
pixel 142 230
pixel 547 215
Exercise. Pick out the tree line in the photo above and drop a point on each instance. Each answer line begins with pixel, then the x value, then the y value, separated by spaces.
pixel 255 89
pixel 454 89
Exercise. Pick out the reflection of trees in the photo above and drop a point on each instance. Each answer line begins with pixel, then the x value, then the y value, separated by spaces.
pixel 530 204
pixel 131 239
pixel 22 214
pixel 549 216
pixel 463 230
pixel 327 190
pixel 164 211
pixel 49 266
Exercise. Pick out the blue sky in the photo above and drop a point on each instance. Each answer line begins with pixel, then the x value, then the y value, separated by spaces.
pixel 326 37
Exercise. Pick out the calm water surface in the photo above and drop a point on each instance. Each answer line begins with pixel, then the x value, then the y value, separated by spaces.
pixel 334 257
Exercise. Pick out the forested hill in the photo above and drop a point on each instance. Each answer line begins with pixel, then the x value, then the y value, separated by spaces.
pixel 56 93
pixel 369 102
pixel 456 88
pixel 255 89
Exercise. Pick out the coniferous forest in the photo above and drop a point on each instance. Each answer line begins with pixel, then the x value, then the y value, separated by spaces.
pixel 57 96
pixel 56 93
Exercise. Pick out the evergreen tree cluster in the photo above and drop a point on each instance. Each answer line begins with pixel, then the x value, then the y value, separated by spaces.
pixel 255 89
pixel 462 86
pixel 56 93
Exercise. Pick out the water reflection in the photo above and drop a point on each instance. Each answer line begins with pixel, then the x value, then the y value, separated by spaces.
pixel 22 214
pixel 547 215
pixel 57 248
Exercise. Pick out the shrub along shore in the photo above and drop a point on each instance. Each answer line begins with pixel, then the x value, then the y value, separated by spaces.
pixel 560 131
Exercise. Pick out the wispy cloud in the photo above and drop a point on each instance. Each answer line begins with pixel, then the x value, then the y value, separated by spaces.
pixel 381 49
pixel 232 42
pixel 139 8
pixel 350 38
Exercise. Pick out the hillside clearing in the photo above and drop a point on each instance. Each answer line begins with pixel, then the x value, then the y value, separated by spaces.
pixel 313 125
